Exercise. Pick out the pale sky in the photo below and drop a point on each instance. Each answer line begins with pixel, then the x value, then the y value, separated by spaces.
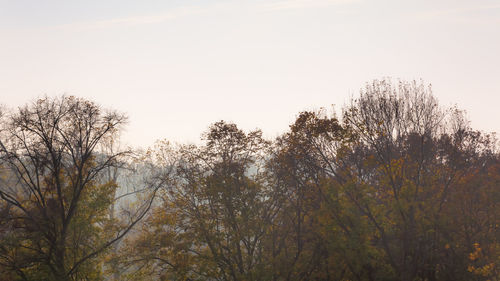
pixel 177 66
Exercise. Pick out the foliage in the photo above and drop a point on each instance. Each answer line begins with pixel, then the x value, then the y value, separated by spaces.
pixel 55 223
pixel 395 188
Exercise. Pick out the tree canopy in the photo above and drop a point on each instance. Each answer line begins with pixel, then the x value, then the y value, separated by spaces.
pixel 394 187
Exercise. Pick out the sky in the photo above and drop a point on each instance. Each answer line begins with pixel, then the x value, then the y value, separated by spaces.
pixel 174 67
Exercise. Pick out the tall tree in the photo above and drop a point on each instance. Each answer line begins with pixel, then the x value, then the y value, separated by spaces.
pixel 388 176
pixel 56 209
pixel 213 213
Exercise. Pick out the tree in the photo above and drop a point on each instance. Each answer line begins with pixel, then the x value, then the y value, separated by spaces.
pixel 419 154
pixel 388 178
pixel 396 188
pixel 56 210
pixel 214 212
pixel 320 235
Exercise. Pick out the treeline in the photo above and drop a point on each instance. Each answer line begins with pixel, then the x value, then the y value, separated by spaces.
pixel 394 188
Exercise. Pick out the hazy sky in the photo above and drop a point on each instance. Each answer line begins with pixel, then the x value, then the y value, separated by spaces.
pixel 176 66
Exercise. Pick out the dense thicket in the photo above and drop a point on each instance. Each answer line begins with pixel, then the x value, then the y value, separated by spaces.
pixel 395 188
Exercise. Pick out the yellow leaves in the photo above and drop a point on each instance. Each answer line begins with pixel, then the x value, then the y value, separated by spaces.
pixel 473 256
pixel 478 257
pixel 484 271
pixel 477 252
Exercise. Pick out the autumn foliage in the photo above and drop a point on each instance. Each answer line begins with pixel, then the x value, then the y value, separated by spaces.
pixel 395 187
